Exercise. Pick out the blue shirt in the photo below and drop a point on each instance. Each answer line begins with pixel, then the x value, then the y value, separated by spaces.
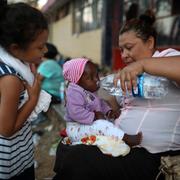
pixel 52 73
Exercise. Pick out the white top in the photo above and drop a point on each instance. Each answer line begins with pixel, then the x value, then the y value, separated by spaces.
pixel 159 120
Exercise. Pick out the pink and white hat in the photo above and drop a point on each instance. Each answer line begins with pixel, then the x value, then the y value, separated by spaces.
pixel 73 69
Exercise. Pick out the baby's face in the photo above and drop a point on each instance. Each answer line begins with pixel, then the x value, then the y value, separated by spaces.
pixel 90 79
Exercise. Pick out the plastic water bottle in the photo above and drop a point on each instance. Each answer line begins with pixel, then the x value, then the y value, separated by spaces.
pixel 148 86
pixel 151 87
pixel 107 84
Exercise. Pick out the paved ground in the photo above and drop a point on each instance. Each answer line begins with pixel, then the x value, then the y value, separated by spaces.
pixel 49 135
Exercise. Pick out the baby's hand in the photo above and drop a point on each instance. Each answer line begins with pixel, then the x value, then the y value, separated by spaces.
pixel 113 114
pixel 98 115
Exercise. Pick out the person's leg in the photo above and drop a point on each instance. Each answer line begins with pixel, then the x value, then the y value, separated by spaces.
pixel 76 131
pixel 87 162
pixel 101 127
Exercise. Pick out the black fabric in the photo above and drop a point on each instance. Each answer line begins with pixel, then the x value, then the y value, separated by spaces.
pixel 28 174
pixel 55 100
pixel 88 162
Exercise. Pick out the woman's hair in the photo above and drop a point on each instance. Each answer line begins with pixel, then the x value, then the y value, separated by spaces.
pixel 20 24
pixel 143 27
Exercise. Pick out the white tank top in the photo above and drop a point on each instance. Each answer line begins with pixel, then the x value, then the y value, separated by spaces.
pixel 159 120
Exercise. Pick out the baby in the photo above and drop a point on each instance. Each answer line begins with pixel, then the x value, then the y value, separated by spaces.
pixel 86 113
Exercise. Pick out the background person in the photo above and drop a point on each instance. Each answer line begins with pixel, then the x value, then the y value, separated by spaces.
pixel 51 72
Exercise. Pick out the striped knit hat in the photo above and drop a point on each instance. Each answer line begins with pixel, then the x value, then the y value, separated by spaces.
pixel 73 69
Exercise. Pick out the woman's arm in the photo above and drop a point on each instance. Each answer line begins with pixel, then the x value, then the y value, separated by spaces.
pixel 168 67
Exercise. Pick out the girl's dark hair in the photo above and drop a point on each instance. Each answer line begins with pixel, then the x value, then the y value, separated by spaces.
pixel 20 23
pixel 143 27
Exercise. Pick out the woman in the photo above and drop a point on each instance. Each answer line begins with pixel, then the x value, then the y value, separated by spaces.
pixel 157 119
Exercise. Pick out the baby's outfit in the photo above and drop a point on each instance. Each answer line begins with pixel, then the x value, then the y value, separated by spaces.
pixel 80 107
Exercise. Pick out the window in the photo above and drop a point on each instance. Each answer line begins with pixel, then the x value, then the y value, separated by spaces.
pixel 168 22
pixel 133 8
pixel 163 8
pixel 62 12
pixel 87 15
pixel 167 13
pixel 175 7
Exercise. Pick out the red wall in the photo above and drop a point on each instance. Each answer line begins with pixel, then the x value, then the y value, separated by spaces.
pixel 116 58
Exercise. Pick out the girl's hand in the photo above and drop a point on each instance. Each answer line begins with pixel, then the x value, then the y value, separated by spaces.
pixel 34 90
pixel 128 75
pixel 33 68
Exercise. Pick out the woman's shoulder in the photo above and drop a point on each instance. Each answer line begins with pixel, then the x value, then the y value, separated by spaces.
pixel 167 52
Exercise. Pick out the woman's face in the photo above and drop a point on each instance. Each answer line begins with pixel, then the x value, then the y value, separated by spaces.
pixel 35 51
pixel 133 48
pixel 90 78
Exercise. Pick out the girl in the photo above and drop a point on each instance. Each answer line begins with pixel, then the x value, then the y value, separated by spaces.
pixel 24 33
pixel 86 112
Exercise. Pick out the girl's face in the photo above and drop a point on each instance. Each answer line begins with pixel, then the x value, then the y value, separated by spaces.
pixel 134 48
pixel 89 79
pixel 35 51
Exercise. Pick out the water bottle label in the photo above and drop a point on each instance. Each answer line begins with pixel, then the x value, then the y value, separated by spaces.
pixel 139 92
pixel 141 86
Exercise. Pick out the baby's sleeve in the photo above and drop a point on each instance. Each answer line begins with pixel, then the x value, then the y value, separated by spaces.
pixel 76 108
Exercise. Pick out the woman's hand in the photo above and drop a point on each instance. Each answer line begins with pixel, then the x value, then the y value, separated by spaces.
pixel 128 75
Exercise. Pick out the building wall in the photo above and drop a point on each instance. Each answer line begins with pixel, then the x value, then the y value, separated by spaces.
pixel 76 45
